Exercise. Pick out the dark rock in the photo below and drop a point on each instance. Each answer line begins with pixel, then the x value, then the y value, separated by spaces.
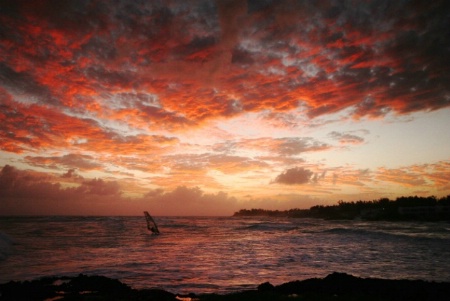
pixel 339 284
pixel 336 287
pixel 98 284
pixel 154 294
pixel 28 290
pixel 266 287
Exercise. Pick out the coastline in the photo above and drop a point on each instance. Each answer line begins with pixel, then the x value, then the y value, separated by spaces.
pixel 410 208
pixel 335 286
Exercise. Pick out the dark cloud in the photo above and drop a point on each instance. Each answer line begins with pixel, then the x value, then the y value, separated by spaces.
pixel 160 116
pixel 295 146
pixel 71 173
pixel 242 57
pixel 294 176
pixel 346 138
pixel 184 201
pixel 99 187
pixel 225 163
pixel 28 192
pixel 83 162
pixel 109 78
pixel 23 85
pixel 22 130
pixel 18 184
pixel 198 49
pixel 289 146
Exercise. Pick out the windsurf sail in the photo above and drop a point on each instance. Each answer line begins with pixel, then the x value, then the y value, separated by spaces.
pixel 151 224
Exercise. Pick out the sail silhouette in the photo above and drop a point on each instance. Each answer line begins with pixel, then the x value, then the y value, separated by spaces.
pixel 151 224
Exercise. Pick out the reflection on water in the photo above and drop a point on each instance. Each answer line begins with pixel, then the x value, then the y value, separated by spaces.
pixel 220 254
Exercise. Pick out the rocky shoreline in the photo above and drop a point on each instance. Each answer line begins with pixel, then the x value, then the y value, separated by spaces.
pixel 336 286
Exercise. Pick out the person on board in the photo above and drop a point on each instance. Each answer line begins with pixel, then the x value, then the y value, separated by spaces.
pixel 154 230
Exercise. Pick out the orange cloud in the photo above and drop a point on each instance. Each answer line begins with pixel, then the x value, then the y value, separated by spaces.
pixel 351 177
pixel 260 58
pixel 401 177
pixel 438 173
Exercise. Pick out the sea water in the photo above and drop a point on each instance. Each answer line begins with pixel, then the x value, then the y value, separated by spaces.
pixel 220 254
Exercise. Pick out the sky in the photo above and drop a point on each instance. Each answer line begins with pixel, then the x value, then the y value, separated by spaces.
pixel 207 107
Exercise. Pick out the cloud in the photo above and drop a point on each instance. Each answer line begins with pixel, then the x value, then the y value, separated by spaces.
pixel 294 176
pixel 375 57
pixel 401 177
pixel 71 173
pixel 438 173
pixel 84 162
pixel 288 146
pixel 235 164
pixel 35 127
pixel 348 176
pixel 22 84
pixel 433 176
pixel 29 192
pixel 346 137
pixel 15 183
pixel 99 187
pixel 190 201
pixel 295 146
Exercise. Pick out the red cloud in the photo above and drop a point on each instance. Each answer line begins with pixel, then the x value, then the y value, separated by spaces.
pixel 36 127
pixel 226 59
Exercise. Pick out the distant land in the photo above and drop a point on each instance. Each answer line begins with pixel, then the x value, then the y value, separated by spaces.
pixel 403 208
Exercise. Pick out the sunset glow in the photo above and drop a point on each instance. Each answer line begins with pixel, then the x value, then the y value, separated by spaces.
pixel 206 107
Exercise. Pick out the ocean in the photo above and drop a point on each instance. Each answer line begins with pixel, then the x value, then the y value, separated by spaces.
pixel 220 254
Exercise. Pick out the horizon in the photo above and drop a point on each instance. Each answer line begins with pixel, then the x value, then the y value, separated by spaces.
pixel 202 108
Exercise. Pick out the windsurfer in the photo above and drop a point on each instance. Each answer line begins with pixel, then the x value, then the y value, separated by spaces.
pixel 151 224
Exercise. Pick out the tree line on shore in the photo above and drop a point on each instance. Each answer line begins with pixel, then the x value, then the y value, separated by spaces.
pixel 402 208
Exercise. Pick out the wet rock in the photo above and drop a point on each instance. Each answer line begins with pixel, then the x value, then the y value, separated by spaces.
pixel 349 287
pixel 336 287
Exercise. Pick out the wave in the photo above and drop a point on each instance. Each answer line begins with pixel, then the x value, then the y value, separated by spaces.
pixel 269 227
pixel 6 246
pixel 388 234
